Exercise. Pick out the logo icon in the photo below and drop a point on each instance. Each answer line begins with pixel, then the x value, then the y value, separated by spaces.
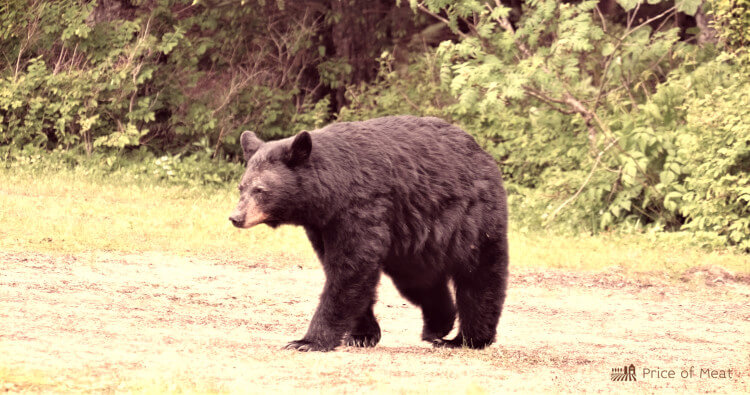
pixel 626 373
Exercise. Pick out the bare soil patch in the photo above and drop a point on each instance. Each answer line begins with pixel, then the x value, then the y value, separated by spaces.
pixel 108 322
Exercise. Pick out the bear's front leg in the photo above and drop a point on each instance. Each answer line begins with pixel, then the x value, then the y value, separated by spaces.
pixel 366 331
pixel 347 296
pixel 352 263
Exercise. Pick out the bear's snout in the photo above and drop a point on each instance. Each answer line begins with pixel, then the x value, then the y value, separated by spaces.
pixel 247 215
pixel 237 219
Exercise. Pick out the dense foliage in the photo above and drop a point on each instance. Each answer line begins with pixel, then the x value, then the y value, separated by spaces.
pixel 603 115
pixel 597 124
pixel 179 76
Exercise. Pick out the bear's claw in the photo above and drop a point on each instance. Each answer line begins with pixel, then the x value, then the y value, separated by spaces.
pixel 460 342
pixel 456 342
pixel 361 340
pixel 306 345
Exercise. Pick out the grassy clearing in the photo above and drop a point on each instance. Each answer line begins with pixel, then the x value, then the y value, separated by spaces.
pixel 70 212
pixel 73 211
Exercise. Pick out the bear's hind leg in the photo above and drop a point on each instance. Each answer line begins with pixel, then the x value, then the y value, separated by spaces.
pixel 366 332
pixel 480 295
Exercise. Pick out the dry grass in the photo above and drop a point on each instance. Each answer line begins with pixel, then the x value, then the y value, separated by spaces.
pixel 70 213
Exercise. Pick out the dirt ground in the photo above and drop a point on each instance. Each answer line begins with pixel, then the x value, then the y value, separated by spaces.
pixel 150 322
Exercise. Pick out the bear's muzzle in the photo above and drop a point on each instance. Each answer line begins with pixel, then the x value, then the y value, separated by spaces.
pixel 251 215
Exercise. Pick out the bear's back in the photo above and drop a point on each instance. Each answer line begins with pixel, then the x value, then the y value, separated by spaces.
pixel 438 186
pixel 412 148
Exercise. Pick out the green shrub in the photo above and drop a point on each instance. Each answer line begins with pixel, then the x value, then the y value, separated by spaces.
pixel 715 148
pixel 731 19
pixel 398 90
pixel 169 75
pixel 198 170
pixel 629 130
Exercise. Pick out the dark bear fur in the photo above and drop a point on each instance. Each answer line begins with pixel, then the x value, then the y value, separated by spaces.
pixel 415 198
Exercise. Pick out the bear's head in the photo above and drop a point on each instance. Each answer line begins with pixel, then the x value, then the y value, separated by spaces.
pixel 269 189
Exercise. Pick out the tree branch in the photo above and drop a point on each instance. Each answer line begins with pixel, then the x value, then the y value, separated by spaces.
pixel 508 27
pixel 588 178
pixel 618 45
pixel 440 18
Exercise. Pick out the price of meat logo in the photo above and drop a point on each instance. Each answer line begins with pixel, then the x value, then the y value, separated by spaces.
pixel 626 373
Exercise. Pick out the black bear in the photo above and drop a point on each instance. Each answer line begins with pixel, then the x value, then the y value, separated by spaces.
pixel 416 198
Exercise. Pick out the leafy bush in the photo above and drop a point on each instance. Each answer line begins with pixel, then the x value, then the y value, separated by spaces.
pixel 170 75
pixel 714 145
pixel 409 90
pixel 597 125
pixel 197 171
pixel 731 18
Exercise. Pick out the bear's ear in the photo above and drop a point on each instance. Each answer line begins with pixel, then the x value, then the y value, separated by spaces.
pixel 300 149
pixel 250 143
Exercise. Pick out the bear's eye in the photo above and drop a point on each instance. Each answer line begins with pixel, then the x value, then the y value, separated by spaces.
pixel 258 190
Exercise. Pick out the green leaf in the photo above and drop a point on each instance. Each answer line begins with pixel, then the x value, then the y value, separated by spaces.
pixel 629 172
pixel 144 75
pixel 627 5
pixel 170 40
pixel 689 7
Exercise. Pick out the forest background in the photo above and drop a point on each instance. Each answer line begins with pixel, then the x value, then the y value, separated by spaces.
pixel 604 116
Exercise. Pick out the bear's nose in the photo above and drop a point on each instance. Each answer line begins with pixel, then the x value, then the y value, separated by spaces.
pixel 237 219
